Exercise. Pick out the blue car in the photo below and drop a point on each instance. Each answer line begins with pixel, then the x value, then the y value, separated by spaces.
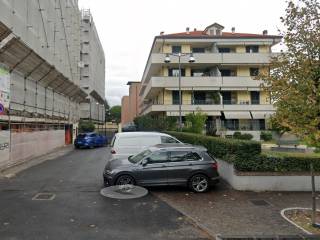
pixel 90 140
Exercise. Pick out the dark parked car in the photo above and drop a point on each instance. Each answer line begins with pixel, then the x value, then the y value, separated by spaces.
pixel 90 140
pixel 165 164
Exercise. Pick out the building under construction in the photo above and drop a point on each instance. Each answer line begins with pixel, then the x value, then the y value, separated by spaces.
pixel 41 74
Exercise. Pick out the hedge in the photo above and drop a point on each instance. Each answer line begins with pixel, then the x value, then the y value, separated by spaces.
pixel 246 155
pixel 226 149
pixel 280 163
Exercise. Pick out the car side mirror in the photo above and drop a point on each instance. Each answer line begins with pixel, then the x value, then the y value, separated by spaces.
pixel 144 162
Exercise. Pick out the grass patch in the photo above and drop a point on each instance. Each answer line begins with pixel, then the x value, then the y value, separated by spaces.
pixel 290 154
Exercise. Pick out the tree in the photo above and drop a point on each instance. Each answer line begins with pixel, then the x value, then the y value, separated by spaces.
pixel 294 79
pixel 195 122
pixel 115 114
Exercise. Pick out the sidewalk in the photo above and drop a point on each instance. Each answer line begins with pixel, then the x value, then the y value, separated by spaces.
pixel 13 170
pixel 226 211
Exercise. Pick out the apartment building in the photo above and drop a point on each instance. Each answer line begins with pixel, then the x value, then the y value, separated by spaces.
pixel 92 71
pixel 219 82
pixel 40 65
pixel 130 105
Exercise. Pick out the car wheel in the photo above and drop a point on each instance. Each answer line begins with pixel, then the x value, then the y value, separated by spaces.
pixel 199 183
pixel 125 179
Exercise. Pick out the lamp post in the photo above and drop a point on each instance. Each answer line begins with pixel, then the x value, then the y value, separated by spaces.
pixel 168 60
pixel 98 115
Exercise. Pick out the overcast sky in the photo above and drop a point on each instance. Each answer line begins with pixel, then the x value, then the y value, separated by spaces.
pixel 127 27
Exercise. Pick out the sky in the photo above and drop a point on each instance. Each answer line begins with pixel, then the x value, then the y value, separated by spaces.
pixel 127 28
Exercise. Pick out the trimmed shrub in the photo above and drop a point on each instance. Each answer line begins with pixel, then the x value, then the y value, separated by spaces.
pixel 245 136
pixel 246 155
pixel 226 149
pixel 278 163
pixel 266 136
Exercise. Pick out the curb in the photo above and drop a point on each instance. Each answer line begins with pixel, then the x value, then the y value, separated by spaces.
pixel 293 223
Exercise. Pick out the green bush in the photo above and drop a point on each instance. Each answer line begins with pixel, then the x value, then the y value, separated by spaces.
pixel 226 149
pixel 266 136
pixel 278 163
pixel 86 126
pixel 195 122
pixel 149 123
pixel 245 136
pixel 246 155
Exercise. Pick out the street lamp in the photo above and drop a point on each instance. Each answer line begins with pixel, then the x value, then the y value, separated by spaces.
pixel 98 116
pixel 168 60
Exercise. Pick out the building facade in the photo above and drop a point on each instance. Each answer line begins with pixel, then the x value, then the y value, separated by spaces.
pixel 130 105
pixel 220 82
pixel 40 67
pixel 92 71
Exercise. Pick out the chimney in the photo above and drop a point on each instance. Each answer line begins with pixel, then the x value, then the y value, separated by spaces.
pixel 161 33
pixel 233 29
pixel 265 32
pixel 188 30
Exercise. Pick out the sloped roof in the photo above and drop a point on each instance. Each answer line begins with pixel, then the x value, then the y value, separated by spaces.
pixel 199 34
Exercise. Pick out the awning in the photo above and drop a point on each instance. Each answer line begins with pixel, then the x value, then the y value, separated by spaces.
pixel 237 115
pixel 261 114
pixel 193 88
pixel 184 113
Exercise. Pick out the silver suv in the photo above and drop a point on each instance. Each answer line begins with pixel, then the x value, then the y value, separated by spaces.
pixel 165 164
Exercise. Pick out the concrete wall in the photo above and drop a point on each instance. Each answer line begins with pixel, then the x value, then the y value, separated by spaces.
pixel 265 181
pixel 4 147
pixel 25 145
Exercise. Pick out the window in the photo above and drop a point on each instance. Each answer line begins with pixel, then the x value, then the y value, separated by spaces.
pixel 174 72
pixel 254 72
pixel 158 157
pixel 225 72
pixel 168 140
pixel 224 50
pixel 198 50
pixel 177 156
pixel 176 49
pixel 252 49
pixel 255 97
pixel 175 97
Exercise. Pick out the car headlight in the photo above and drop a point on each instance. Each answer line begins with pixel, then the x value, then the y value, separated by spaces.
pixel 107 171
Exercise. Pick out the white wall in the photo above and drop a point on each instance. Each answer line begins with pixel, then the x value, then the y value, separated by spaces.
pixel 25 145
pixel 265 181
pixel 4 147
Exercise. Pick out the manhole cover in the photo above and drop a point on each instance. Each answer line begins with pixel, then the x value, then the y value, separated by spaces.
pixel 44 196
pixel 259 202
pixel 124 192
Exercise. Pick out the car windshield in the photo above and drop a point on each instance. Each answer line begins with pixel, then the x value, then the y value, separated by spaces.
pixel 82 135
pixel 137 158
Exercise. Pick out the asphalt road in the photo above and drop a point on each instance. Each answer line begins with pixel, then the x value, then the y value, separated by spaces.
pixel 78 211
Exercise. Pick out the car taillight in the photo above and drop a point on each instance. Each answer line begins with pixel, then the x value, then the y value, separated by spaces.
pixel 113 151
pixel 215 166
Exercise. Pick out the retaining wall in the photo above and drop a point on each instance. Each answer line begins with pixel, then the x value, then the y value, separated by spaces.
pixel 266 181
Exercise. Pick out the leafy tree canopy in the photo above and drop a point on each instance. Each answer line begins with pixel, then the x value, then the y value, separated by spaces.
pixel 294 79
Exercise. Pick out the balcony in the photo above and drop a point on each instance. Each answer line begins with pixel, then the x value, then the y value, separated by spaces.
pixel 210 109
pixel 217 58
pixel 201 83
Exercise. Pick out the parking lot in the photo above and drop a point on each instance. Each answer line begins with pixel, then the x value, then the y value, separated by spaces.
pixel 76 210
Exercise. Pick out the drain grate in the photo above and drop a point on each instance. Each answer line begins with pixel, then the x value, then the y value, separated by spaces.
pixel 44 196
pixel 259 202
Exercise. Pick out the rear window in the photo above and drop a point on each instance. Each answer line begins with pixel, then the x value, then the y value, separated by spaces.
pixel 165 139
pixel 138 141
pixel 82 135
pixel 176 156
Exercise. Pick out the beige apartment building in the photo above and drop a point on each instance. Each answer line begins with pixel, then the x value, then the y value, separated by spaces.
pixel 220 82
pixel 130 105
